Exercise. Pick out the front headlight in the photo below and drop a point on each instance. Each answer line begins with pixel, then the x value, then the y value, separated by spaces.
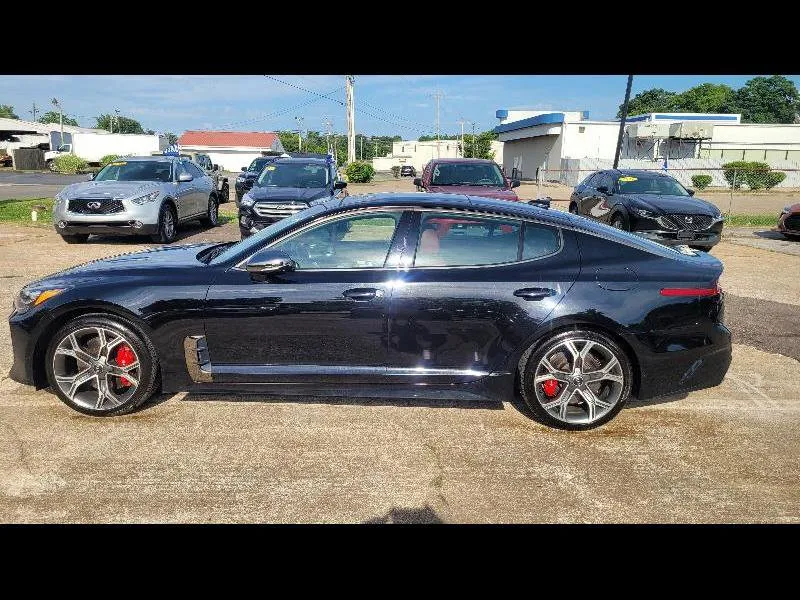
pixel 146 198
pixel 247 201
pixel 644 213
pixel 30 297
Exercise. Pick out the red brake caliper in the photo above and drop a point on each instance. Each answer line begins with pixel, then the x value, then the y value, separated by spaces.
pixel 125 357
pixel 550 387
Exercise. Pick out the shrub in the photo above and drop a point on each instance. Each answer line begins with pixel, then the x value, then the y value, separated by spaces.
pixel 701 182
pixel 773 178
pixel 396 171
pixel 359 172
pixel 68 164
pixel 108 158
pixel 754 174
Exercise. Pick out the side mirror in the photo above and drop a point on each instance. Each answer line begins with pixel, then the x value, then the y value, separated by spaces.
pixel 515 183
pixel 244 168
pixel 417 182
pixel 270 262
pixel 603 190
pixel 215 167
pixel 691 191
pixel 184 177
pixel 339 185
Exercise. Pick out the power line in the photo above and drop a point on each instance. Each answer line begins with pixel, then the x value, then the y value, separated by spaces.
pixel 277 112
pixel 326 96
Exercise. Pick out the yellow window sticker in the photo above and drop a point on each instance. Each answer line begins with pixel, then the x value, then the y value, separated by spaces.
pixel 118 164
pixel 271 168
pixel 628 178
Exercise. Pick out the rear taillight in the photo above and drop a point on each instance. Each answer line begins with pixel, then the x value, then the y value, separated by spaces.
pixel 695 292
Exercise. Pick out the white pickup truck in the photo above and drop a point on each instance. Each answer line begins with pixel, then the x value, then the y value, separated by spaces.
pixel 91 147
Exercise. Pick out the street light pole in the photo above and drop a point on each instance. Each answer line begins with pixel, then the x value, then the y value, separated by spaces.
pixel 622 121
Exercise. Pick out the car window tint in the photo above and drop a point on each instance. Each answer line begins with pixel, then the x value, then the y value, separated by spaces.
pixel 359 242
pixel 587 182
pixel 454 240
pixel 540 240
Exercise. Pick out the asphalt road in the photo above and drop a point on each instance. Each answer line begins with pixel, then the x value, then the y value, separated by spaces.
pixel 727 454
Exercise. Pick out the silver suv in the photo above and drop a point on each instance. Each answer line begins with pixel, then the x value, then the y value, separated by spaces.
pixel 136 195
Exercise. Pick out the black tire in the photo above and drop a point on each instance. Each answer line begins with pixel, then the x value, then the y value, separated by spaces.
pixel 238 199
pixel 573 208
pixel 791 236
pixel 145 351
pixel 76 238
pixel 212 213
pixel 531 363
pixel 225 194
pixel 619 221
pixel 166 234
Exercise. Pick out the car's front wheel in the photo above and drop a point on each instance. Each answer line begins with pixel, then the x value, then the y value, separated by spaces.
pixel 212 213
pixel 225 194
pixel 576 380
pixel 573 208
pixel 167 225
pixel 100 366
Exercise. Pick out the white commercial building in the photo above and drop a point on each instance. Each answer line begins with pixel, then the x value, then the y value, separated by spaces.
pixel 418 154
pixel 549 142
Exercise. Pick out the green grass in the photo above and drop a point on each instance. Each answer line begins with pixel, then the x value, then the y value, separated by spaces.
pixel 19 211
pixel 751 220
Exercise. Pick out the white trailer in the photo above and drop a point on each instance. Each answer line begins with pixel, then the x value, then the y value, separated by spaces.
pixel 91 147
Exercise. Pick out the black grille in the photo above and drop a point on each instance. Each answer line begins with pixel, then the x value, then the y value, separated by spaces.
pixel 692 222
pixel 792 223
pixel 106 207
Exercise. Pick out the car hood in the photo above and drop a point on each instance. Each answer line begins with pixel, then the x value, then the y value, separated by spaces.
pixel 685 205
pixel 475 190
pixel 288 194
pixel 158 261
pixel 109 189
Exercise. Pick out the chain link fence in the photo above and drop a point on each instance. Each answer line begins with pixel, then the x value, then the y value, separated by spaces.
pixel 735 188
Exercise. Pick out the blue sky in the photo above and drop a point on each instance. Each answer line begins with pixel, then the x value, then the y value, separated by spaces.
pixel 385 104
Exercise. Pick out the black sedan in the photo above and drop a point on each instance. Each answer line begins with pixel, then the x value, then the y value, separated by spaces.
pixel 431 296
pixel 649 203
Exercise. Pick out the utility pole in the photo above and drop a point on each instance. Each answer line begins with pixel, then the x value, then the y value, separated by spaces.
pixel 473 139
pixel 34 111
pixel 299 133
pixel 462 121
pixel 328 130
pixel 351 120
pixel 622 121
pixel 362 147
pixel 438 96
pixel 57 104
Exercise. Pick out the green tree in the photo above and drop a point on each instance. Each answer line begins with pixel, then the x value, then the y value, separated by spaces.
pixel 7 112
pixel 767 100
pixel 51 116
pixel 705 98
pixel 121 124
pixel 171 138
pixel 655 100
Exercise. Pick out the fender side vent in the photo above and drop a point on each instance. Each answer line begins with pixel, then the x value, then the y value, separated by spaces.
pixel 198 361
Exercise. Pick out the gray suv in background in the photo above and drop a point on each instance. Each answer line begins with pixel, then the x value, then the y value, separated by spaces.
pixel 145 195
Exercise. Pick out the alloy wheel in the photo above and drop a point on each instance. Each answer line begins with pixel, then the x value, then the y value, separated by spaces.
pixel 96 368
pixel 213 212
pixel 579 381
pixel 169 225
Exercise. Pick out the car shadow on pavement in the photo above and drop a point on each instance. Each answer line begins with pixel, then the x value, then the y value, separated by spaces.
pixel 769 234
pixel 185 230
pixel 425 515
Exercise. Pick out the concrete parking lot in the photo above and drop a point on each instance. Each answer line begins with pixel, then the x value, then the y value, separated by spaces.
pixel 727 454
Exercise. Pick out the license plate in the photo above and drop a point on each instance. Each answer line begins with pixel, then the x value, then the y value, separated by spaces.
pixel 685 235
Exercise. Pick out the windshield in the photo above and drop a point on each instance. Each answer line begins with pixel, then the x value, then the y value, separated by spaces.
pixel 294 175
pixel 259 164
pixel 139 170
pixel 252 243
pixel 658 185
pixel 468 174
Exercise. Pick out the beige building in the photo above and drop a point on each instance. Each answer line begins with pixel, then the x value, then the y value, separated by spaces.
pixel 417 154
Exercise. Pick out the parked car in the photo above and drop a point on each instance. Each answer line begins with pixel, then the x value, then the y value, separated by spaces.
pixel 285 187
pixel 434 296
pixel 408 171
pixel 213 171
pixel 472 176
pixel 789 221
pixel 650 204
pixel 144 195
pixel 249 175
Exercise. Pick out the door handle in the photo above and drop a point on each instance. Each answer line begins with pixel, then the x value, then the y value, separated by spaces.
pixel 534 293
pixel 363 294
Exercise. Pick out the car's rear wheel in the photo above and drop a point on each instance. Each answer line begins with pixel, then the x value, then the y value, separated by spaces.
pixel 792 236
pixel 225 194
pixel 76 238
pixel 577 380
pixel 573 208
pixel 212 213
pixel 619 222
pixel 100 366
pixel 167 225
